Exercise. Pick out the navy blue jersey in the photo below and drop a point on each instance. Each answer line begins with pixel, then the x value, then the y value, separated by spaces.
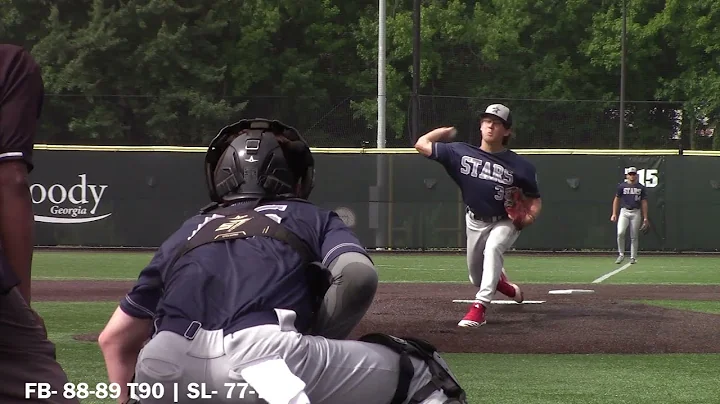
pixel 21 100
pixel 483 177
pixel 631 195
pixel 220 282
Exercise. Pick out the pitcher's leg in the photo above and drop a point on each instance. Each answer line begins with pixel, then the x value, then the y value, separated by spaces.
pixel 349 297
pixel 508 288
pixel 26 355
pixel 500 238
pixel 476 233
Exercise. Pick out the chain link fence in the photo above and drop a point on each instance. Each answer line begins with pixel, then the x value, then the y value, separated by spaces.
pixel 351 121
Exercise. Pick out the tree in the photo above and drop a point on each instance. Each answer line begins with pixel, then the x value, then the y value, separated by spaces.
pixel 176 71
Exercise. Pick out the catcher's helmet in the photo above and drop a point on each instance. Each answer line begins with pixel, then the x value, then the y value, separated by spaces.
pixel 258 159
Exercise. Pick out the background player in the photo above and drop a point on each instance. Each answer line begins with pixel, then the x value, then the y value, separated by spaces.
pixel 631 198
pixel 486 176
pixel 232 303
pixel 25 352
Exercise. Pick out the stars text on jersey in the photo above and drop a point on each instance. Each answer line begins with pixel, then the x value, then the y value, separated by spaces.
pixel 485 170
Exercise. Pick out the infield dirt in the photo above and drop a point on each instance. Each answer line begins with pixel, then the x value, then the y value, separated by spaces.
pixel 607 321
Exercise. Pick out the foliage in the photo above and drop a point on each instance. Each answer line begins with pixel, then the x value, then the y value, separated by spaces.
pixel 176 71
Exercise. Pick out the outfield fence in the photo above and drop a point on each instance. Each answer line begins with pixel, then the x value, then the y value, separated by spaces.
pixel 106 196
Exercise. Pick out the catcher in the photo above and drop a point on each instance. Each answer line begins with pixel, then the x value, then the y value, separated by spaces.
pixel 252 299
pixel 500 190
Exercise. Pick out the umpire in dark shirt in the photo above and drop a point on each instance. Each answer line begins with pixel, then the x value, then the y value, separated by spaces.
pixel 26 355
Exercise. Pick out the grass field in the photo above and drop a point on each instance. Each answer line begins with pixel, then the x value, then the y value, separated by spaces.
pixel 488 378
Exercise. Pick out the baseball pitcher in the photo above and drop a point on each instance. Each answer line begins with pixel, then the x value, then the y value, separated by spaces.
pixel 501 193
pixel 631 199
pixel 254 297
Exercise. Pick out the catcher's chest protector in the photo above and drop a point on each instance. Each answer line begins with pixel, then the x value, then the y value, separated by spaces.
pixel 245 223
pixel 442 377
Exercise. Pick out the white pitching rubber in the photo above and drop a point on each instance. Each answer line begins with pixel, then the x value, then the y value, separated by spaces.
pixel 500 301
pixel 570 291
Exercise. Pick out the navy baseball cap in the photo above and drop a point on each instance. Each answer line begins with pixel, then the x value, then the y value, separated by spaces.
pixel 500 111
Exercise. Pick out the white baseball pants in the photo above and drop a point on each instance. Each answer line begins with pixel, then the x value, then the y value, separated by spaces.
pixel 634 219
pixel 486 246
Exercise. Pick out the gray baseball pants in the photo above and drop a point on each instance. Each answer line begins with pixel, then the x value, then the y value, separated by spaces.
pixel 334 371
pixel 486 247
pixel 634 219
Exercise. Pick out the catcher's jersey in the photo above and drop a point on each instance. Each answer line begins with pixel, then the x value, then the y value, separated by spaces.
pixel 483 177
pixel 631 195
pixel 219 283
pixel 21 100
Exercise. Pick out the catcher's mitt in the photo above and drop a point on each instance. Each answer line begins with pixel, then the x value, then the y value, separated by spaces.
pixel 516 206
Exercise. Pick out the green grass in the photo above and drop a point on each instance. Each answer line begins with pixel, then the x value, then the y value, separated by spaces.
pixel 702 306
pixel 425 268
pixel 672 270
pixel 488 378
pixel 82 361
pixel 88 265
pixel 65 319
pixel 555 269
pixel 588 379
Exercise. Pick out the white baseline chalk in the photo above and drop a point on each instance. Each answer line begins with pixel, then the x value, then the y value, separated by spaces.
pixel 607 275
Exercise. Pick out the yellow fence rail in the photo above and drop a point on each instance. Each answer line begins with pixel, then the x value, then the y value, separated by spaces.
pixel 325 150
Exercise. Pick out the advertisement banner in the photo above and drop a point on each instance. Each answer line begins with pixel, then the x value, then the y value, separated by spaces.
pixel 69 201
pixel 137 199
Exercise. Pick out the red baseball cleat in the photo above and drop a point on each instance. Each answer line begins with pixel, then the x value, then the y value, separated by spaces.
pixel 509 289
pixel 475 317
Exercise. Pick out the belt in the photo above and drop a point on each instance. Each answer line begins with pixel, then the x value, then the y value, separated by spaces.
pixel 189 328
pixel 629 208
pixel 486 219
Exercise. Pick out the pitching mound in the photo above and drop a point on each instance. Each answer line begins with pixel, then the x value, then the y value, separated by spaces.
pixel 606 321
pixel 602 322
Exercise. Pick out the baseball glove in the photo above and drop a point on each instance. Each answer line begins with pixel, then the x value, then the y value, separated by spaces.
pixel 516 206
pixel 645 227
